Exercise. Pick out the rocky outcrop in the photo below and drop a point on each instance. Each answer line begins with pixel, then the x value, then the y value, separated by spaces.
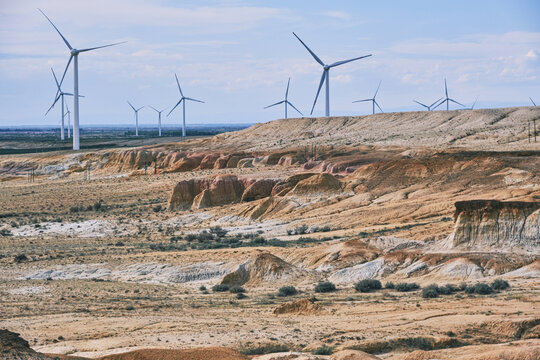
pixel 299 307
pixel 13 347
pixel 319 183
pixel 492 224
pixel 264 268
pixel 218 190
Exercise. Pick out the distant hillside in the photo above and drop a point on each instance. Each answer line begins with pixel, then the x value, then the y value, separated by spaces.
pixel 487 129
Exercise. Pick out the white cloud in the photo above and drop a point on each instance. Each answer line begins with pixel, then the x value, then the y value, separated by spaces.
pixel 337 14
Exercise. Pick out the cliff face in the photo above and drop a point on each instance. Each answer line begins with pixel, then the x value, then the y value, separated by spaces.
pixel 496 224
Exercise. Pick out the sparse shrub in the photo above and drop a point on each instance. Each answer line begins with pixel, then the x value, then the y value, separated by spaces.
pixel 241 296
pixel 389 285
pixel 157 208
pixel 302 229
pixel 324 287
pixel 430 292
pixel 218 231
pixel 287 291
pixel 20 258
pixel 500 284
pixel 202 287
pixel 405 287
pixel 323 350
pixel 482 289
pixel 368 285
pixel 5 232
pixel 97 205
pixel 130 307
pixel 479 288
pixel 74 209
pixel 463 286
pixel 261 349
pixel 119 243
pixel 191 237
pixel 220 288
pixel 237 289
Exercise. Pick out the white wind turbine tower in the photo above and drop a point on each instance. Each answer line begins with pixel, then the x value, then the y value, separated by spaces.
pixel 326 75
pixel 182 99
pixel 136 118
pixel 74 55
pixel 286 101
pixel 59 96
pixel 68 113
pixel 373 101
pixel 159 118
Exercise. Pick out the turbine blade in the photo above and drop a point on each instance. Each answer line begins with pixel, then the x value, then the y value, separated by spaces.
pixel 100 47
pixel 70 94
pixel 288 102
pixel 153 108
pixel 362 100
pixel 280 102
pixel 55 79
pixel 178 103
pixel 163 109
pixel 455 102
pixel 439 99
pixel 58 31
pixel 188 98
pixel 311 52
pixel 378 106
pixel 64 74
pixel 474 103
pixel 139 108
pixel 445 88
pixel 439 104
pixel 287 92
pixel 374 96
pixel 347 61
pixel 419 103
pixel 133 107
pixel 178 82
pixel 532 101
pixel 52 106
pixel 323 77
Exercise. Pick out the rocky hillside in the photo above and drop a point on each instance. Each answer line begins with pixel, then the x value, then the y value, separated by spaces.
pixel 483 224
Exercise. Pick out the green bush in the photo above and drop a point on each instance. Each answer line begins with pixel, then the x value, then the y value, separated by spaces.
pixel 220 288
pixel 389 285
pixel 262 349
pixel 368 285
pixel 324 287
pixel 241 296
pixel 323 350
pixel 430 292
pixel 287 291
pixel 500 284
pixel 218 231
pixel 479 288
pixel 20 258
pixel 237 290
pixel 405 287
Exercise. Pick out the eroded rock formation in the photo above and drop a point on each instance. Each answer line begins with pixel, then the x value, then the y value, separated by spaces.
pixel 496 224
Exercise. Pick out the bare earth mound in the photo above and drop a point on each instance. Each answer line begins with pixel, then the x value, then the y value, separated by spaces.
pixel 300 307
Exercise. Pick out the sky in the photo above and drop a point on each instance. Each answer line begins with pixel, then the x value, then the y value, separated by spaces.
pixel 237 56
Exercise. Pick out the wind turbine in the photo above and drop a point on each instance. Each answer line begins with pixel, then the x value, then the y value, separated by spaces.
pixel 447 99
pixel 326 75
pixel 472 106
pixel 532 101
pixel 136 118
pixel 59 96
pixel 374 102
pixel 159 118
pixel 428 107
pixel 74 55
pixel 182 99
pixel 69 121
pixel 286 101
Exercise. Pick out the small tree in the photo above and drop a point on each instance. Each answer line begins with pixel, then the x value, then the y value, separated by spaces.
pixel 368 285
pixel 324 287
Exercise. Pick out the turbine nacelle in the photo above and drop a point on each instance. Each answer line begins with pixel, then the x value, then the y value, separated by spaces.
pixel 74 52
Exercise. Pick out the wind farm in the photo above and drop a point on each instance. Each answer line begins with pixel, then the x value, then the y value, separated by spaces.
pixel 401 224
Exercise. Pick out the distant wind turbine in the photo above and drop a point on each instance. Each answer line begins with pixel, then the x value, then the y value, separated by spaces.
pixel 68 113
pixel 182 99
pixel 373 101
pixel 428 107
pixel 532 101
pixel 326 75
pixel 136 118
pixel 59 96
pixel 472 106
pixel 447 99
pixel 159 118
pixel 74 55
pixel 286 101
